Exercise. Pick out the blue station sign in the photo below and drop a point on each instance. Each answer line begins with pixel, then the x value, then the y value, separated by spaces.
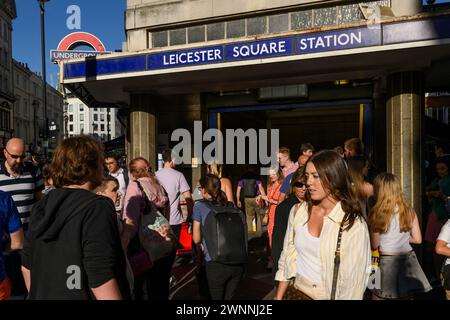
pixel 269 48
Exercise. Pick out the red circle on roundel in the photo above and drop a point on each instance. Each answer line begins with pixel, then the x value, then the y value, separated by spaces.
pixel 76 39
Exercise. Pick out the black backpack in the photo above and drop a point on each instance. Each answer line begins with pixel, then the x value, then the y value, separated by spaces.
pixel 225 234
pixel 249 188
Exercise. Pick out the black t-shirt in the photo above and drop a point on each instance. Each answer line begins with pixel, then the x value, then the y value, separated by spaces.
pixel 280 226
pixel 73 245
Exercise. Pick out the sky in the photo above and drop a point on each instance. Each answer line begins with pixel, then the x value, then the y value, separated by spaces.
pixel 103 18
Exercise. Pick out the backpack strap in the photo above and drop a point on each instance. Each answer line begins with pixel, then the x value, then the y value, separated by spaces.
pixel 126 177
pixel 337 262
pixel 148 204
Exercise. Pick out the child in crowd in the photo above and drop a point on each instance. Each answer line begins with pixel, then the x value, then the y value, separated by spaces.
pixel 110 189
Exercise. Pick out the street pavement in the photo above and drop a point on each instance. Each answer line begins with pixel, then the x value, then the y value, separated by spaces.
pixel 256 284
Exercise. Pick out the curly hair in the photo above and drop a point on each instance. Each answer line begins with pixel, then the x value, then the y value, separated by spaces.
pixel 77 160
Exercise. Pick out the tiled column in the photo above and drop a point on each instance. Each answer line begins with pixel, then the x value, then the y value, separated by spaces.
pixel 404 110
pixel 143 129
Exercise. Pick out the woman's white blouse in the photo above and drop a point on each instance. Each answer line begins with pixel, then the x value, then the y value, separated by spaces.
pixel 355 266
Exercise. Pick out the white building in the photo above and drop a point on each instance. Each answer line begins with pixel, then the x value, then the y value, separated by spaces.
pixel 98 122
pixel 29 118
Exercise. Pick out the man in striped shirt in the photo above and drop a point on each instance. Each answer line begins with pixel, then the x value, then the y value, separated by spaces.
pixel 23 182
pixel 21 179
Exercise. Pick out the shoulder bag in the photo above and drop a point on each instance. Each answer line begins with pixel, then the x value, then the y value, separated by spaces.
pixel 337 262
pixel 155 234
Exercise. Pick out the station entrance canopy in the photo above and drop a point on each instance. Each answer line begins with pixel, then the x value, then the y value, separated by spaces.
pixel 355 52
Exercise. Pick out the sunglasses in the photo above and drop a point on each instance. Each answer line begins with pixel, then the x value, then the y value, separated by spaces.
pixel 22 156
pixel 298 184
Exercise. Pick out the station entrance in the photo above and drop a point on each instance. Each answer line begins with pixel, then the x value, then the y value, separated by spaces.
pixel 325 125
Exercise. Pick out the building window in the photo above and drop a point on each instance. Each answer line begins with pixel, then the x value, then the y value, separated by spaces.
pixel 102 127
pixel 18 106
pixel 301 20
pixel 159 39
pixel 70 106
pixel 95 117
pixel 257 25
pixel 236 29
pixel 196 34
pixel 325 17
pixel 215 31
pixel 71 127
pixel 102 117
pixel 279 23
pixel 81 117
pixel 95 109
pixel 71 118
pixel 81 107
pixel 177 36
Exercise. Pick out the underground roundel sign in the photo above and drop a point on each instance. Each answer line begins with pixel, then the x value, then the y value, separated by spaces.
pixel 67 47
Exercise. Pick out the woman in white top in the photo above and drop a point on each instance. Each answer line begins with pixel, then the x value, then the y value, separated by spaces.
pixel 443 248
pixel 307 267
pixel 394 225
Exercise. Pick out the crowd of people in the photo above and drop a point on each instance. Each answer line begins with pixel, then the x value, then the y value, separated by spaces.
pixel 80 227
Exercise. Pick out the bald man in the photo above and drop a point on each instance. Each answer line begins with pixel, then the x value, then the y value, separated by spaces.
pixel 22 180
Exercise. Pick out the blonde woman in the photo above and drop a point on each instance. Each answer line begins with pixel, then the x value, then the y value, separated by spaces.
pixel 328 225
pixel 394 226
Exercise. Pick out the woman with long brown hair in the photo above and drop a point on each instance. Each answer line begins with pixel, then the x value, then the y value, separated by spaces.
pixel 326 252
pixel 393 226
